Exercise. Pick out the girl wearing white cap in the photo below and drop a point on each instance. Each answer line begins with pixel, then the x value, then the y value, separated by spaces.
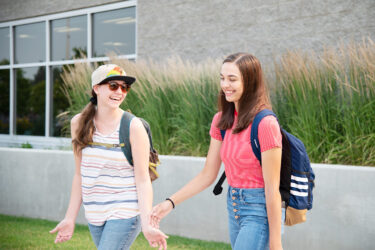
pixel 117 196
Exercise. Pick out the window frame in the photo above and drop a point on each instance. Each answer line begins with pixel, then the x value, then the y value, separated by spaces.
pixel 11 138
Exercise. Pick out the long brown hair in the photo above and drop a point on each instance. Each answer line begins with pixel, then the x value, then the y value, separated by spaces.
pixel 254 97
pixel 85 129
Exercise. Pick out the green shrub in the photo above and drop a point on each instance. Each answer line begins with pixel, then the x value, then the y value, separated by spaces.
pixel 177 98
pixel 26 145
pixel 327 100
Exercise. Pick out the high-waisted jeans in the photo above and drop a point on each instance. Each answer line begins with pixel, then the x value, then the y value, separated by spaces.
pixel 248 222
pixel 116 234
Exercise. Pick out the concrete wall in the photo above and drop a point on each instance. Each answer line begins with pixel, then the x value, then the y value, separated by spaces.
pixel 19 9
pixel 36 183
pixel 197 29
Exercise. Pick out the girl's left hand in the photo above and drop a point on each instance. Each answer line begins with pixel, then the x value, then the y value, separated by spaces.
pixel 155 237
pixel 64 230
pixel 160 211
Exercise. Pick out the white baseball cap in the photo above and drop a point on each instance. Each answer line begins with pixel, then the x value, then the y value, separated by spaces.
pixel 108 72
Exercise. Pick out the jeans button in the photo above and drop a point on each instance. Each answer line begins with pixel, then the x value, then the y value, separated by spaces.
pixel 235 210
pixel 233 191
pixel 234 204
pixel 233 198
pixel 236 217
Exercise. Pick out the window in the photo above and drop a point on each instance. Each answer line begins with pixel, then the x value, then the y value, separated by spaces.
pixel 59 102
pixel 4 101
pixel 69 38
pixel 114 31
pixel 30 43
pixel 4 46
pixel 34 51
pixel 30 100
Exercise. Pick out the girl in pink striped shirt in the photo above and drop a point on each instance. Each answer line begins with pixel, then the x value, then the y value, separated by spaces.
pixel 253 200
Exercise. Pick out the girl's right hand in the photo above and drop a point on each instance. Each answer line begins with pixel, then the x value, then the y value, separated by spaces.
pixel 160 211
pixel 155 237
pixel 64 231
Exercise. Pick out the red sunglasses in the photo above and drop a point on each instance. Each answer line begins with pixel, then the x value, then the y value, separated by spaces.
pixel 114 86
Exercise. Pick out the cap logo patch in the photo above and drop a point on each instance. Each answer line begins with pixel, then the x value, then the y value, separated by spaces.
pixel 116 71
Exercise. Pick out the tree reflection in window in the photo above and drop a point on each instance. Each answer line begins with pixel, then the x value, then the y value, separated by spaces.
pixel 60 104
pixel 30 101
pixel 4 99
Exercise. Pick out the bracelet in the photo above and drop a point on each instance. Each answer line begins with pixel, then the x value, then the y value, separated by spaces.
pixel 169 199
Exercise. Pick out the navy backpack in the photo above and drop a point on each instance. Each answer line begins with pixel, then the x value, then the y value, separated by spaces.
pixel 296 175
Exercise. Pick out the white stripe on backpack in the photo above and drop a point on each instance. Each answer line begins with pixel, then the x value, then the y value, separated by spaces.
pixel 299 186
pixel 300 179
pixel 296 193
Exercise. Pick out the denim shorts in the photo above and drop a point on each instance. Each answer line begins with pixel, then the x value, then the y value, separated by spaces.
pixel 248 222
pixel 116 234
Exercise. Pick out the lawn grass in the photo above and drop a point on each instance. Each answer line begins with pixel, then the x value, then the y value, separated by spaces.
pixel 26 233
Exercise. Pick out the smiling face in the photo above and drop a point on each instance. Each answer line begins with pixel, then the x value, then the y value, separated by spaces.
pixel 231 82
pixel 108 97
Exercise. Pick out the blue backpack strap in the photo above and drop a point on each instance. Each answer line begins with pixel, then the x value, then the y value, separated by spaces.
pixel 218 187
pixel 222 132
pixel 124 135
pixel 254 132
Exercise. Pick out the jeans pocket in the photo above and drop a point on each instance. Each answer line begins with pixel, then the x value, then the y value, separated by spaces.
pixel 252 203
pixel 253 206
pixel 254 199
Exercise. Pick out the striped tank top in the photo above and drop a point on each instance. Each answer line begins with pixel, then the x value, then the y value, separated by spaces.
pixel 108 183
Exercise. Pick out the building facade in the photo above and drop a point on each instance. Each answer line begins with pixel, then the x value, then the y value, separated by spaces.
pixel 39 38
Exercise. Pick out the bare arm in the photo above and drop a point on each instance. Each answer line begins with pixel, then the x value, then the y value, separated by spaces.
pixel 76 193
pixel 140 150
pixel 271 164
pixel 200 182
pixel 65 228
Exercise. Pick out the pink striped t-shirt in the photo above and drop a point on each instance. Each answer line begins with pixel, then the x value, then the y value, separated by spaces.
pixel 242 168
